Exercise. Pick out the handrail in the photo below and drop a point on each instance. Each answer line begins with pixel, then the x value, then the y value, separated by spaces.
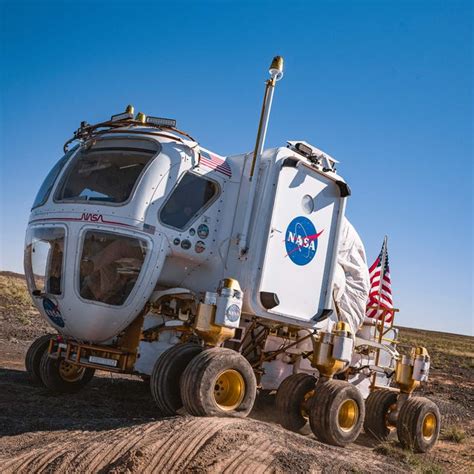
pixel 86 131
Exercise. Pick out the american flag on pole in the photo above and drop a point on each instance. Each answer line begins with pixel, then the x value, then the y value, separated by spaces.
pixel 380 295
pixel 215 163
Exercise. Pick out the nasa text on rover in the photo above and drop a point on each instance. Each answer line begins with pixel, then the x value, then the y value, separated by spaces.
pixel 215 277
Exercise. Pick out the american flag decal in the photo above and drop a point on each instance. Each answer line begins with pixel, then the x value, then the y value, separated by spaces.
pixel 214 163
pixel 380 287
pixel 149 229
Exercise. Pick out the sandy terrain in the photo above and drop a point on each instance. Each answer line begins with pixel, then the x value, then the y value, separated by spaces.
pixel 113 425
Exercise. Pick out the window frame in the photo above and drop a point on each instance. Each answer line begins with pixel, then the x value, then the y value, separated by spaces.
pixel 124 233
pixel 198 214
pixel 67 157
pixel 67 169
pixel 31 285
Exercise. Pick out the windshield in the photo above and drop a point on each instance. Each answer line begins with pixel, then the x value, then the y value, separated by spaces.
pixel 48 183
pixel 44 255
pixel 192 194
pixel 107 171
pixel 110 266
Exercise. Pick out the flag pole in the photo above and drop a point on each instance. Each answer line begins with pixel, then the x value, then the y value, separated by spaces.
pixel 276 73
pixel 382 267
pixel 380 325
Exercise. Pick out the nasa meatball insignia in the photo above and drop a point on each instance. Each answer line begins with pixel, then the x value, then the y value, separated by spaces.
pixel 301 240
pixel 53 313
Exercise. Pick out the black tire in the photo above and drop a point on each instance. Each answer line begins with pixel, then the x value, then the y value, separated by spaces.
pixel 219 382
pixel 377 408
pixel 337 412
pixel 51 374
pixel 292 402
pixel 166 375
pixel 33 358
pixel 418 424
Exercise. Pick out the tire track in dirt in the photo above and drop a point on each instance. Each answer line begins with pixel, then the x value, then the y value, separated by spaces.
pixel 40 463
pixel 93 460
pixel 151 446
pixel 185 444
pixel 184 450
pixel 218 425
pixel 259 461
pixel 246 462
pixel 37 458
pixel 174 442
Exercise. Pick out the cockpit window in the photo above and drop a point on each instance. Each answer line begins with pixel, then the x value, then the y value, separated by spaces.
pixel 44 255
pixel 110 266
pixel 192 194
pixel 48 183
pixel 107 171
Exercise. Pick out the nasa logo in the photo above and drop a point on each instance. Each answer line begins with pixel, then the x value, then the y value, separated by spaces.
pixel 87 216
pixel 233 313
pixel 301 240
pixel 53 313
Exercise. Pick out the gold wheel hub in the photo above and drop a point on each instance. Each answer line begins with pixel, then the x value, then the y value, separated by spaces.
pixel 304 405
pixel 348 415
pixel 389 423
pixel 229 389
pixel 70 372
pixel 429 426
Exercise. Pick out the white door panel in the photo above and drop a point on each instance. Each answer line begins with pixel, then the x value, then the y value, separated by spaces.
pixel 299 256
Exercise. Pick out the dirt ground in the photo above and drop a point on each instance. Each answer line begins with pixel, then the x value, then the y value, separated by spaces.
pixel 112 426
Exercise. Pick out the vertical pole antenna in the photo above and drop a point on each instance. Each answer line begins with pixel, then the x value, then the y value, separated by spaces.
pixel 276 73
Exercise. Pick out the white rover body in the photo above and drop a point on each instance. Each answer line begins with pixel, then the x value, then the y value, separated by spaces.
pixel 148 253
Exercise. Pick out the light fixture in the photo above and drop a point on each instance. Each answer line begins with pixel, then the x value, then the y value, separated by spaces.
pixel 276 68
pixel 161 122
pixel 304 149
pixel 141 117
pixel 128 114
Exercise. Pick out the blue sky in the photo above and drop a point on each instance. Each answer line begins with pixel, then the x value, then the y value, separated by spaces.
pixel 383 86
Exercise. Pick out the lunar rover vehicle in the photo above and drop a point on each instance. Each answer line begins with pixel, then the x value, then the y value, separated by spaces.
pixel 214 277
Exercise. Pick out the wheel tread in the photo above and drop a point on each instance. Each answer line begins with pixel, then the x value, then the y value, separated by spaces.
pixel 376 407
pixel 33 358
pixel 195 394
pixel 407 424
pixel 49 369
pixel 169 366
pixel 322 413
pixel 288 401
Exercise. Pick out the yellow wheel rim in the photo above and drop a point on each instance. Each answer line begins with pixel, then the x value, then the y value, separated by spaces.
pixel 390 410
pixel 229 389
pixel 304 405
pixel 429 426
pixel 70 372
pixel 348 415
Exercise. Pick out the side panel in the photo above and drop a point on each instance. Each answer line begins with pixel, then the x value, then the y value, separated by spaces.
pixel 302 244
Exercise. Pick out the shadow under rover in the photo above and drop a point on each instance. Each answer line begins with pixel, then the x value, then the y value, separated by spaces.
pixel 105 403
